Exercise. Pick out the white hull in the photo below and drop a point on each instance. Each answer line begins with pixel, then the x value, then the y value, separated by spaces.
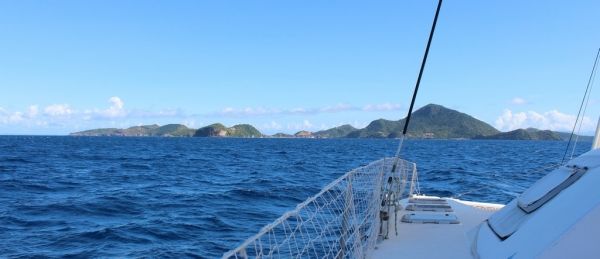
pixel 557 217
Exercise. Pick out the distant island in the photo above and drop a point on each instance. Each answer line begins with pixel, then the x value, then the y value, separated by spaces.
pixel 429 122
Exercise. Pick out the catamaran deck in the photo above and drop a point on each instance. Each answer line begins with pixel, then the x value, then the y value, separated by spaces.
pixel 433 240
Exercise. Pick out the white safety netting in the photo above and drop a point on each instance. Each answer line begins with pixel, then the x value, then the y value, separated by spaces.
pixel 341 221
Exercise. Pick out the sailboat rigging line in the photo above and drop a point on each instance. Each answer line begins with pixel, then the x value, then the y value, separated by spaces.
pixel 585 96
pixel 591 84
pixel 412 102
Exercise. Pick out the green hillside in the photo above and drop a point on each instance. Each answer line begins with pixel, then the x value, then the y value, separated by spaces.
pixel 438 122
pixel 95 132
pixel 304 134
pixel 567 135
pixel 219 130
pixel 175 130
pixel 146 130
pixel 378 129
pixel 244 131
pixel 282 135
pixel 337 132
pixel 522 134
pixel 431 121
pixel 213 130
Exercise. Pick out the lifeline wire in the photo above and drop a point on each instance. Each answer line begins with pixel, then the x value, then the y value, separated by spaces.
pixel 582 101
pixel 591 84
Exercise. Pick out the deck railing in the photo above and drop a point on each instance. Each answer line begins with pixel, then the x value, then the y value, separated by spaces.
pixel 342 221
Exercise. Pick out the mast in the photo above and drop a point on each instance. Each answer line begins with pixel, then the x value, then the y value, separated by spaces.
pixel 412 102
pixel 596 143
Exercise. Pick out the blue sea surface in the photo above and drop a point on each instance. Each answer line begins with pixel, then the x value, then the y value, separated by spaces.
pixel 150 197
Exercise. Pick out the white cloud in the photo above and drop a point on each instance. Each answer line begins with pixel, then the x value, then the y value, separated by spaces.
pixel 117 110
pixel 165 113
pixel 114 111
pixel 293 126
pixel 169 112
pixel 3 116
pixel 16 117
pixel 32 111
pixel 247 112
pixel 551 120
pixel 307 124
pixel 19 118
pixel 359 125
pixel 301 111
pixel 64 117
pixel 261 111
pixel 273 126
pixel 337 108
pixel 382 107
pixel 117 103
pixel 58 110
pixel 518 101
pixel 189 123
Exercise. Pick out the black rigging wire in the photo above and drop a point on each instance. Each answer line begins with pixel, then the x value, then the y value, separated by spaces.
pixel 412 102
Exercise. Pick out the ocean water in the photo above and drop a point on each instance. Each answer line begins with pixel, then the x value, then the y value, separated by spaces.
pixel 119 197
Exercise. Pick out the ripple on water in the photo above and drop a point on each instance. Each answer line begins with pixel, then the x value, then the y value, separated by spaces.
pixel 200 197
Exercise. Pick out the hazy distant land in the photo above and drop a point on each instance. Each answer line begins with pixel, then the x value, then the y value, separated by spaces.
pixel 429 122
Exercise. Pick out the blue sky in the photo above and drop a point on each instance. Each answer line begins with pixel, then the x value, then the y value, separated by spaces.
pixel 284 66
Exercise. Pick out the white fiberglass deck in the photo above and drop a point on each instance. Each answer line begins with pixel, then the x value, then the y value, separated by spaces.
pixel 418 240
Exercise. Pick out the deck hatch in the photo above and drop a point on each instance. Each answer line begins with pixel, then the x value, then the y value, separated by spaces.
pixel 430 207
pixel 549 186
pixel 507 220
pixel 428 200
pixel 430 218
